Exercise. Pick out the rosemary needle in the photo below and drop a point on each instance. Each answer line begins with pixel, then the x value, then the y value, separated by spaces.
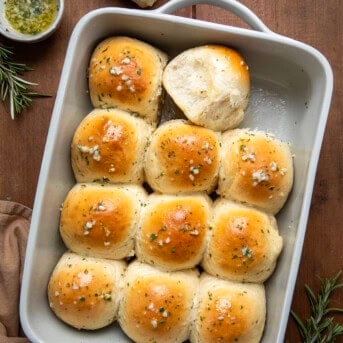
pixel 13 86
pixel 319 328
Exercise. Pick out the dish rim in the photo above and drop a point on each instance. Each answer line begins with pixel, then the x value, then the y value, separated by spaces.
pixel 53 130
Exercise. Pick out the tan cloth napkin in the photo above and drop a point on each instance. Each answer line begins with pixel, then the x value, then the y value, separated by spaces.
pixel 14 225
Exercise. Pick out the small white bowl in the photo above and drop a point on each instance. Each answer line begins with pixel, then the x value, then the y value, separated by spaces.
pixel 8 31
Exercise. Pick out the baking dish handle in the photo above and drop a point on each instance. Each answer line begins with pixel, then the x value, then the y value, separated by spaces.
pixel 233 6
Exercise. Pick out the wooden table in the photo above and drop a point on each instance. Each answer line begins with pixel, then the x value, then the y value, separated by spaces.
pixel 316 22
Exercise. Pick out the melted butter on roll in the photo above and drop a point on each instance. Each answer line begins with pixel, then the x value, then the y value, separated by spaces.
pixel 182 158
pixel 244 243
pixel 101 220
pixel 109 145
pixel 84 291
pixel 229 312
pixel 127 73
pixel 256 168
pixel 173 229
pixel 157 306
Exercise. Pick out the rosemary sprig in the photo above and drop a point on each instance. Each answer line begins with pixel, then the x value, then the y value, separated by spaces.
pixel 319 328
pixel 12 86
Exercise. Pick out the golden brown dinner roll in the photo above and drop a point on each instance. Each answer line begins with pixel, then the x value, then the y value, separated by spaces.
pixel 210 84
pixel 144 3
pixel 84 291
pixel 172 230
pixel 182 158
pixel 256 168
pixel 127 73
pixel 244 243
pixel 109 146
pixel 101 220
pixel 229 312
pixel 157 306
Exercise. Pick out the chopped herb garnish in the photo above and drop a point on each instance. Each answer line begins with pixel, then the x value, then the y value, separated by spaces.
pixel 153 236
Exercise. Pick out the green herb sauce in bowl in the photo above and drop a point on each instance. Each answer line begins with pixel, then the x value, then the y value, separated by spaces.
pixel 30 16
pixel 30 20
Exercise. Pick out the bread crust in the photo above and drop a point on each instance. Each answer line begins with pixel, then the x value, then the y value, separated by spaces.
pixel 157 306
pixel 256 168
pixel 84 292
pixel 210 84
pixel 127 73
pixel 229 312
pixel 101 220
pixel 109 145
pixel 243 245
pixel 173 229
pixel 183 158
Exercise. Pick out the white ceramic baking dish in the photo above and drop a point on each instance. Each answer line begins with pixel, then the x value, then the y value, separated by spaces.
pixel 291 93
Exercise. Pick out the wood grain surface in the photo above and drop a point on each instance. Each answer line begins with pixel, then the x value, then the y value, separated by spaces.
pixel 316 22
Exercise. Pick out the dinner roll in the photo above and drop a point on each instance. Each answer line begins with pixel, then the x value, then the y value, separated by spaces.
pixel 182 158
pixel 109 146
pixel 144 3
pixel 172 230
pixel 210 84
pixel 127 73
pixel 84 291
pixel 256 168
pixel 229 312
pixel 101 220
pixel 244 243
pixel 157 306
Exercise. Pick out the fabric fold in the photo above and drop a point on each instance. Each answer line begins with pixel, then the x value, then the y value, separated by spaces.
pixel 14 226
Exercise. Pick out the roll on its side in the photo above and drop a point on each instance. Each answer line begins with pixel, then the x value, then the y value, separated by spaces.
pixel 256 168
pixel 109 146
pixel 229 312
pixel 101 220
pixel 127 73
pixel 243 245
pixel 84 291
pixel 173 229
pixel 182 158
pixel 157 306
pixel 210 84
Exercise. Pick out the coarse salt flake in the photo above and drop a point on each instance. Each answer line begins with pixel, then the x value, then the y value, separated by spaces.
pixel 249 157
pixel 101 208
pixel 154 323
pixel 84 279
pixel 90 224
pixel 208 160
pixel 283 171
pixel 179 215
pixel 222 305
pixel 273 166
pixel 116 70
pixel 126 60
pixel 194 170
pixel 259 176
